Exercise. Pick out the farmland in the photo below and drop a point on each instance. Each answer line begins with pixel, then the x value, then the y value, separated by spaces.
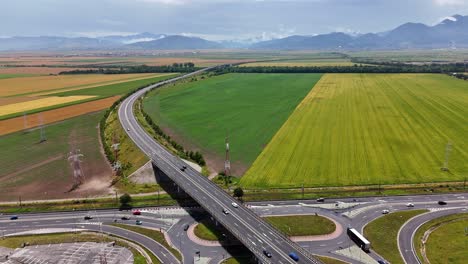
pixel 250 108
pixel 360 129
pixel 42 171
pixel 29 121
pixel 35 84
pixel 17 105
pixel 301 63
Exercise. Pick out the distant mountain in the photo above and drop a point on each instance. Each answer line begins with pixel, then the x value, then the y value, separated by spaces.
pixel 53 43
pixel 177 42
pixel 130 39
pixel 450 33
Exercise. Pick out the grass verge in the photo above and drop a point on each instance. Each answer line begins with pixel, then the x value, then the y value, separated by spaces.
pixel 294 225
pixel 383 233
pixel 447 243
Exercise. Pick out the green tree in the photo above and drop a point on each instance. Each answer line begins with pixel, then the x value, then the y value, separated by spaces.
pixel 125 201
pixel 238 192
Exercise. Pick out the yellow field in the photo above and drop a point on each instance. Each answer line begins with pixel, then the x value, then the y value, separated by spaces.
pixel 39 103
pixel 23 85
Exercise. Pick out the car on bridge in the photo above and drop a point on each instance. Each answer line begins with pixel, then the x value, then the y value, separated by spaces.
pixel 442 203
pixel 125 218
pixel 136 212
pixel 294 256
pixel 14 217
pixel 266 253
pixel 409 205
pixel 138 222
pixel 235 205
pixel 225 211
pixel 88 217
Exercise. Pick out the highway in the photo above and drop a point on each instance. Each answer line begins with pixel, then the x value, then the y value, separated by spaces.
pixel 245 225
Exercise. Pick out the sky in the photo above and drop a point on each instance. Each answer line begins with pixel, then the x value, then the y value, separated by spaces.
pixel 217 19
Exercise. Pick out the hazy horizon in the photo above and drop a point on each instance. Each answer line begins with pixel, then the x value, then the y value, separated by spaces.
pixel 219 20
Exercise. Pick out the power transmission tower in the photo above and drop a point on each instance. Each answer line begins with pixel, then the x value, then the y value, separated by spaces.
pixel 25 121
pixel 227 162
pixel 78 175
pixel 448 149
pixel 41 124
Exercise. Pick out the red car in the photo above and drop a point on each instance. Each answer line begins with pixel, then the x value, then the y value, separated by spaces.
pixel 136 212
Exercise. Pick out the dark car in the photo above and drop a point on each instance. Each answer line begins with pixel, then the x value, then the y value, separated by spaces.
pixel 381 261
pixel 183 168
pixel 321 200
pixel 266 253
pixel 442 203
pixel 294 256
pixel 14 217
pixel 88 217
pixel 186 227
pixel 125 218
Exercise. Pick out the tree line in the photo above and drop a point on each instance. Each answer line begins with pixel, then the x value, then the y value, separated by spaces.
pixel 357 68
pixel 176 67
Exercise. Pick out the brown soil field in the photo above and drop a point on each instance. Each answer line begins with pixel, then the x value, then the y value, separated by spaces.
pixel 22 85
pixel 17 124
pixel 36 70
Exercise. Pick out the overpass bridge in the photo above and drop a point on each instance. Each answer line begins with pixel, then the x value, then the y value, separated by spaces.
pixel 244 224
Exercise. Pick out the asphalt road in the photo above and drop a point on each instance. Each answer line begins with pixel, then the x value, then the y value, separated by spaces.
pixel 366 210
pixel 248 228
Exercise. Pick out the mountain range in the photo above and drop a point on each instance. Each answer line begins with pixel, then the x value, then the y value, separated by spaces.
pixel 452 32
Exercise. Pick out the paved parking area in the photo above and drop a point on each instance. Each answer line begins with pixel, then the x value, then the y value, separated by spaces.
pixel 71 253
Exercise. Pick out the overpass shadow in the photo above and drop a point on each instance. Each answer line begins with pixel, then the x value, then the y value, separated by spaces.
pixel 228 241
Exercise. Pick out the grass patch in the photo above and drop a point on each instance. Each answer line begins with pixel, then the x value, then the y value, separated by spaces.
pixel 452 229
pixel 153 234
pixel 249 107
pixel 383 233
pixel 328 260
pixel 17 241
pixel 362 129
pixel 15 75
pixel 302 225
pixel 294 225
pixel 129 155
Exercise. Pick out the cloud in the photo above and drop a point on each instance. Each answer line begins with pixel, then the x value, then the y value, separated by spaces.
pixel 166 2
pixel 450 2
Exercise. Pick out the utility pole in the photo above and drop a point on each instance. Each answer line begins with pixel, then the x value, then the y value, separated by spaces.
pixel 41 123
pixel 448 149
pixel 227 163
pixel 25 121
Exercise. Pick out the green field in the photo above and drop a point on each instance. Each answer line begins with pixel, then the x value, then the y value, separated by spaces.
pixel 37 170
pixel 360 129
pixel 248 107
pixel 383 233
pixel 16 75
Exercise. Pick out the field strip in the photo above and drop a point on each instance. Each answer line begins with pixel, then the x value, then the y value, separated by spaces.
pixel 17 124
pixel 40 103
pixel 96 85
